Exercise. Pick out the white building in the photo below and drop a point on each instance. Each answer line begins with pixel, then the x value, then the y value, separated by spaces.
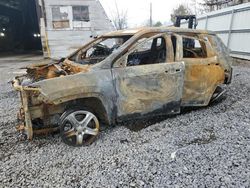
pixel 67 24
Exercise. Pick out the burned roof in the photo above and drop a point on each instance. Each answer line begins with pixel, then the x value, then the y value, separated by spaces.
pixel 155 29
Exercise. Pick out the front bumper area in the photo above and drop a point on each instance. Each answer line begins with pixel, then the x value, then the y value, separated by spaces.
pixel 24 119
pixel 24 116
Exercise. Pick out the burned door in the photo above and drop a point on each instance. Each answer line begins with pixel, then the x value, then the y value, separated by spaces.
pixel 146 82
pixel 203 72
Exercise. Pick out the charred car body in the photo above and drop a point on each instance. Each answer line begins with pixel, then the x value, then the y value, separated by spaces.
pixel 119 76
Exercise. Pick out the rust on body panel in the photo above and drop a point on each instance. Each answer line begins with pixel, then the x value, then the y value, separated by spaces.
pixel 200 83
pixel 54 70
pixel 202 74
pixel 147 88
pixel 115 90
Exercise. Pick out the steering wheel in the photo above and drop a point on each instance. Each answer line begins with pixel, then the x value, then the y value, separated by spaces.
pixel 191 51
pixel 134 59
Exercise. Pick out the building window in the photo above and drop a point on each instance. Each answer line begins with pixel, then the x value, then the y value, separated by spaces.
pixel 60 17
pixel 80 13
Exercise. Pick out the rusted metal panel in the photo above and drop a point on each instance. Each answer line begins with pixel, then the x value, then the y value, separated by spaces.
pixel 144 89
pixel 204 74
pixel 126 91
pixel 61 24
pixel 200 83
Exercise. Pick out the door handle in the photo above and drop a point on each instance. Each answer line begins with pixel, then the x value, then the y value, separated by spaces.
pixel 178 70
pixel 173 71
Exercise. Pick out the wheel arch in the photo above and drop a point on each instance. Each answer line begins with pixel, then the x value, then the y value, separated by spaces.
pixel 94 104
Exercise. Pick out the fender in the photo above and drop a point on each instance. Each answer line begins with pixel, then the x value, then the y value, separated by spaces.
pixel 79 86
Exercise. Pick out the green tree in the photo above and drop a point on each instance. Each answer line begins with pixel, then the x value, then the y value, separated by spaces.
pixel 157 24
pixel 180 10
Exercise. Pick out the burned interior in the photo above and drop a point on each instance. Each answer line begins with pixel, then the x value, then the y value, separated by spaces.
pixel 98 51
pixel 120 76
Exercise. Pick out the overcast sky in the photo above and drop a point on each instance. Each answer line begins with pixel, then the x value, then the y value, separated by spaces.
pixel 138 10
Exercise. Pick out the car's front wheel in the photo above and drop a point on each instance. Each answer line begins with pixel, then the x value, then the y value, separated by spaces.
pixel 79 127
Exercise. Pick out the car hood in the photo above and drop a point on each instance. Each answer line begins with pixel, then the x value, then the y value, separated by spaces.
pixel 47 71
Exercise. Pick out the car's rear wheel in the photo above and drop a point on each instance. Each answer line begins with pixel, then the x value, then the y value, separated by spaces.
pixel 79 127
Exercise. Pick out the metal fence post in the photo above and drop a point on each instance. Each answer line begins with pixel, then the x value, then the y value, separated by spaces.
pixel 230 29
pixel 206 22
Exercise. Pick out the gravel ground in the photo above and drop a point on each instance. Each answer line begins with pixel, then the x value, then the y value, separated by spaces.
pixel 206 147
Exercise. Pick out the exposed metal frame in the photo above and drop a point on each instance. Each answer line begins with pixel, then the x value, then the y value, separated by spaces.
pixel 230 30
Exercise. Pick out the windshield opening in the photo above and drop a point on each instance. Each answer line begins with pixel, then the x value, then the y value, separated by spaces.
pixel 98 50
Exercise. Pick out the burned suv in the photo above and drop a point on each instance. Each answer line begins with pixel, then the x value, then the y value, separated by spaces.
pixel 119 76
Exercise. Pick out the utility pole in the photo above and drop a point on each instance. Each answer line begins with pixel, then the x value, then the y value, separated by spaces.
pixel 150 19
pixel 195 7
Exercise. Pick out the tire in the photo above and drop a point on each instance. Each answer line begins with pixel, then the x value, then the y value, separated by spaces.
pixel 79 127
